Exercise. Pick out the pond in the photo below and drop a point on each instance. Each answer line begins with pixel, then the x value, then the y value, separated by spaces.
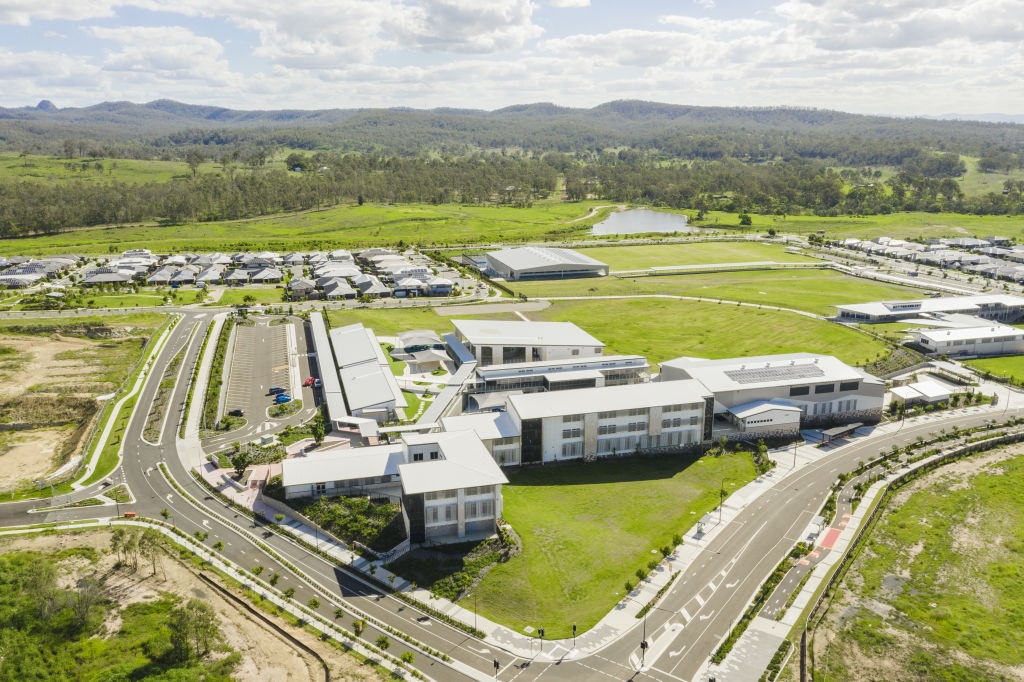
pixel 639 220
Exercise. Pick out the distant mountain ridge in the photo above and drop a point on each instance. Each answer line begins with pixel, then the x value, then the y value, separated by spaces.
pixel 687 131
pixel 174 113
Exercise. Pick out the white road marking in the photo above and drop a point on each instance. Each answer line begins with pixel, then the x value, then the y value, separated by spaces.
pixel 699 600
pixel 685 614
pixel 707 615
pixel 732 585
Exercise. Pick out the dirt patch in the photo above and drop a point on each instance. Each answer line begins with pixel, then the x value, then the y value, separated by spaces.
pixel 266 655
pixel 28 455
pixel 40 363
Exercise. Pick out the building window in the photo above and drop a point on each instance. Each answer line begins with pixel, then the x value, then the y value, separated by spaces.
pixel 572 449
pixel 606 429
pixel 849 386
pixel 572 433
pixel 825 388
pixel 575 351
pixel 572 418
pixel 433 454
pixel 607 415
pixel 417 456
pixel 799 390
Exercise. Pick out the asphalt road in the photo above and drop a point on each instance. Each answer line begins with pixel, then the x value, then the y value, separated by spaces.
pixel 713 593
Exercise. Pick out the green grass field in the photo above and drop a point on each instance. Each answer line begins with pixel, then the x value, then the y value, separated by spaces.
pixel 51 169
pixel 587 527
pixel 391 321
pixel 947 561
pixel 665 329
pixel 638 257
pixel 975 182
pixel 1010 366
pixel 349 226
pixel 813 290
pixel 237 296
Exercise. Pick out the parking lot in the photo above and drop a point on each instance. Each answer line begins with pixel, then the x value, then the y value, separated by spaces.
pixel 259 361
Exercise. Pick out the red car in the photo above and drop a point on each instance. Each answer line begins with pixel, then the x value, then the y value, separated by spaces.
pixel 308 382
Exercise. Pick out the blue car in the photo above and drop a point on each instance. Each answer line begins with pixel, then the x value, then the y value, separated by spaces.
pixel 282 398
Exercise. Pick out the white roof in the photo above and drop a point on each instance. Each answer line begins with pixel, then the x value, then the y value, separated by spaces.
pixel 605 398
pixel 466 463
pixel 905 392
pixel 342 465
pixel 534 257
pixel 991 331
pixel 934 305
pixel 369 385
pixel 734 374
pixel 354 344
pixel 511 333
pixel 751 409
pixel 486 425
pixel 930 390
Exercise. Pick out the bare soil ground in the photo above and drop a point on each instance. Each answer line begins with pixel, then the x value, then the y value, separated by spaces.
pixel 40 364
pixel 28 455
pixel 266 655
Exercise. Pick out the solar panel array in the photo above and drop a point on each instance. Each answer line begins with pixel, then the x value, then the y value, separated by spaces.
pixel 756 375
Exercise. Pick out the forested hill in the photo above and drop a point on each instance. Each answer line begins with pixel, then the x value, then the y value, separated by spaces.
pixel 126 129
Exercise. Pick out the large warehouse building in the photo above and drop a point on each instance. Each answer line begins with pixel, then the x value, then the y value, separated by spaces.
pixel 533 262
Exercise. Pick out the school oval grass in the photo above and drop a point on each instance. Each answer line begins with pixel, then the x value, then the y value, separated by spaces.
pixel 587 527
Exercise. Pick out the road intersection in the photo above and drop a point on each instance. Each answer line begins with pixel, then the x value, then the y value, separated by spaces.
pixel 687 625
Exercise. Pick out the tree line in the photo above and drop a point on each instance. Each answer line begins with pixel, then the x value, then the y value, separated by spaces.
pixel 246 186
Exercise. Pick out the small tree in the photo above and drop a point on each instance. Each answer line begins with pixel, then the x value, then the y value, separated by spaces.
pixel 408 657
pixel 313 603
pixel 383 642
pixel 257 570
pixel 279 517
pixel 338 613
pixel 289 593
pixel 240 461
pixel 274 579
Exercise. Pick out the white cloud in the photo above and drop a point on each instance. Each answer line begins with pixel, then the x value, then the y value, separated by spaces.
pixel 24 12
pixel 464 25
pixel 863 55
pixel 54 35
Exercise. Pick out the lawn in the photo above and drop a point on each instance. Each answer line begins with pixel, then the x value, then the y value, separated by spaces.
pixel 638 257
pixel 813 290
pixel 345 226
pixel 586 528
pixel 236 296
pixel 120 300
pixel 665 329
pixel 1010 366
pixel 947 561
pixel 392 321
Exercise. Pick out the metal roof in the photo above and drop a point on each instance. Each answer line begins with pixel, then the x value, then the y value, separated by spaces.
pixel 527 258
pixel 513 333
pixel 605 398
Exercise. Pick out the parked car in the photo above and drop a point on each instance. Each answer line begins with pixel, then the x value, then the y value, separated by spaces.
pixel 308 382
pixel 236 413
pixel 282 398
pixel 316 383
pixel 276 390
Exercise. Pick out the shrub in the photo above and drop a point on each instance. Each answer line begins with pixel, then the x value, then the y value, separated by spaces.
pixel 313 603
pixel 383 642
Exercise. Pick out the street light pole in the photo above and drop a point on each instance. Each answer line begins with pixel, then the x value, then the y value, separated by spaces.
pixel 721 500
pixel 574 635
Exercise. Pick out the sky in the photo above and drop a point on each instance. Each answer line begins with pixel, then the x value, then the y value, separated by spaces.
pixel 903 57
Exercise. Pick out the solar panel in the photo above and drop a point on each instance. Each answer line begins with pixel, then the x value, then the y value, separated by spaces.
pixel 756 375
